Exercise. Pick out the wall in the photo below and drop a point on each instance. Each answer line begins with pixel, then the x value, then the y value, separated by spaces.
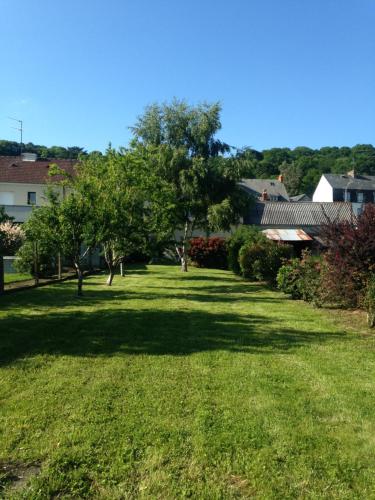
pixel 20 210
pixel 323 191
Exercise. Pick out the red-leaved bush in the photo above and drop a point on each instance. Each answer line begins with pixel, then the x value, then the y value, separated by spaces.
pixel 209 252
pixel 350 258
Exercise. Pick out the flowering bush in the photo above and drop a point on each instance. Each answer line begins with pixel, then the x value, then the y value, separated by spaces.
pixel 209 252
pixel 11 238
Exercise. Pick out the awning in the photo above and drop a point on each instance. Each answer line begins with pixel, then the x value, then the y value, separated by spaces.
pixel 287 235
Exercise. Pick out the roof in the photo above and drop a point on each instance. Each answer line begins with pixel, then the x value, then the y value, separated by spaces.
pixel 343 181
pixel 13 169
pixel 287 235
pixel 300 197
pixel 272 186
pixel 297 214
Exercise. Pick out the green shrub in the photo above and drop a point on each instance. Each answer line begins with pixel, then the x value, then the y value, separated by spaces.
pixel 25 261
pixel 302 278
pixel 262 260
pixel 289 278
pixel 242 235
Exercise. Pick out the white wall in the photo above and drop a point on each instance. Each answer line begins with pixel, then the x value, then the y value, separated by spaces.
pixel 323 191
pixel 17 192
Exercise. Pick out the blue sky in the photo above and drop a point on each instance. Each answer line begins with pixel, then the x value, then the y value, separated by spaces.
pixel 287 72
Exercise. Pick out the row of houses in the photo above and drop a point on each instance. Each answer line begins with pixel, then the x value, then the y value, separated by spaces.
pixel 337 197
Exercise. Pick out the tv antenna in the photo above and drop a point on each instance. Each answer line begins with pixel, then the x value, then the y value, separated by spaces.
pixel 19 128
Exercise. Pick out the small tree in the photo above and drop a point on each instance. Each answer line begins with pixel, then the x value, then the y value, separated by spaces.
pixel 42 233
pixel 117 202
pixel 76 227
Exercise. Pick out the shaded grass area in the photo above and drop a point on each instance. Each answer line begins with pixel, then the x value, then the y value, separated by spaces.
pixel 169 385
pixel 15 277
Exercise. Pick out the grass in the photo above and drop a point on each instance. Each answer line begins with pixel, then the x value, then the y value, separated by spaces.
pixel 14 277
pixel 170 386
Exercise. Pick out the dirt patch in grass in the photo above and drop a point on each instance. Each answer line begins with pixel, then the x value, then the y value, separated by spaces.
pixel 14 476
pixel 241 485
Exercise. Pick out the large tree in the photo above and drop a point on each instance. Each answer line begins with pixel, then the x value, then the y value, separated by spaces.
pixel 188 171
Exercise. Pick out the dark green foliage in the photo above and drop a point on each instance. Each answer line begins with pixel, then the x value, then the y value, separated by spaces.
pixel 209 252
pixel 262 260
pixel 46 259
pixel 242 235
pixel 12 148
pixel 302 166
pixel 289 277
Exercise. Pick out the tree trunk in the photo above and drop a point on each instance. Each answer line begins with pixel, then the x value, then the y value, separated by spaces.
pixel 371 318
pixel 181 251
pixel 59 267
pixel 36 264
pixel 108 255
pixel 110 277
pixel 91 268
pixel 184 263
pixel 1 275
pixel 79 278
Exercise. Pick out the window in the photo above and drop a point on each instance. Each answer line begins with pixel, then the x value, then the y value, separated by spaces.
pixel 360 197
pixel 347 195
pixel 31 198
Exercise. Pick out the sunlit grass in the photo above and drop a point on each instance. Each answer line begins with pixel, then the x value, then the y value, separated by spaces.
pixel 171 385
pixel 14 277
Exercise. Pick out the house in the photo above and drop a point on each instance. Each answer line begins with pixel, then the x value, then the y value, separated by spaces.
pixel 299 223
pixel 23 181
pixel 265 189
pixel 345 187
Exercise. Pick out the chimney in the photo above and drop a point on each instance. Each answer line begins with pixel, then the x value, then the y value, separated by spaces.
pixel 264 195
pixel 29 157
pixel 280 178
pixel 351 173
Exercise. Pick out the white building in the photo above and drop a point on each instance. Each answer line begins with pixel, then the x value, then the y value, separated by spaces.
pixel 357 189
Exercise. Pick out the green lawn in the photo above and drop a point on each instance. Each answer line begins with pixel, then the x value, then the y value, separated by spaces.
pixel 169 386
pixel 14 277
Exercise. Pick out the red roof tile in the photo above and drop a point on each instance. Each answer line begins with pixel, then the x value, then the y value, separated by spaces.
pixel 13 169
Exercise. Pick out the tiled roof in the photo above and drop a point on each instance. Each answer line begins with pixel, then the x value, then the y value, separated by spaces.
pixel 300 197
pixel 298 214
pixel 342 181
pixel 272 186
pixel 13 169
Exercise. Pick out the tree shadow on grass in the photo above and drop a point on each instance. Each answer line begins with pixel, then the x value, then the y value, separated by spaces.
pixel 63 295
pixel 111 332
pixel 219 276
